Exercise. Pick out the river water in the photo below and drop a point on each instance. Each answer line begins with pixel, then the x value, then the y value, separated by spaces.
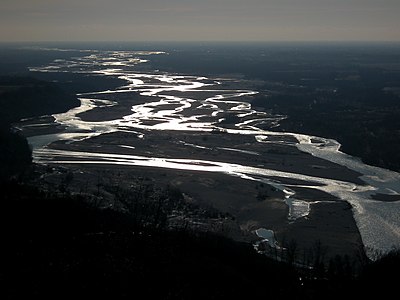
pixel 188 103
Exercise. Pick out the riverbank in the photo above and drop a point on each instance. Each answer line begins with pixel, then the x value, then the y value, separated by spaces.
pixel 239 206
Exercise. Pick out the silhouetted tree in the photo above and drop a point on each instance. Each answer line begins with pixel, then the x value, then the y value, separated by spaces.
pixel 291 251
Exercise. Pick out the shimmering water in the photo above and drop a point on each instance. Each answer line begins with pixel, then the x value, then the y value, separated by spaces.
pixel 182 102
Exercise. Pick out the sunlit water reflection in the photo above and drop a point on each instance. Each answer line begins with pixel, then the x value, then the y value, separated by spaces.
pixel 200 104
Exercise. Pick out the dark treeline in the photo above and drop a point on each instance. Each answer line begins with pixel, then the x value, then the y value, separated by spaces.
pixel 366 122
pixel 15 153
pixel 23 97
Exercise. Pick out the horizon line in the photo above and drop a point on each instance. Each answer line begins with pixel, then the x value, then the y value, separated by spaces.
pixel 201 41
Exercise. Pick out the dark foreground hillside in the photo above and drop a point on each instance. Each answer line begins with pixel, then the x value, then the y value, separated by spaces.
pixel 61 247
pixel 58 246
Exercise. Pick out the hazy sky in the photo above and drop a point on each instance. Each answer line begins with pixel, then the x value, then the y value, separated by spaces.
pixel 226 20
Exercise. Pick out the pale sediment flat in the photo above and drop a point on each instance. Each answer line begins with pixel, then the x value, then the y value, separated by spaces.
pixel 235 196
pixel 207 146
pixel 237 211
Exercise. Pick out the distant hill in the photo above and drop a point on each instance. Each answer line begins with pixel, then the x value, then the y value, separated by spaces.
pixel 23 97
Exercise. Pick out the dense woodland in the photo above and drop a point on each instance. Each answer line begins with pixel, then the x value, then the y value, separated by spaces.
pixel 364 119
pixel 24 97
